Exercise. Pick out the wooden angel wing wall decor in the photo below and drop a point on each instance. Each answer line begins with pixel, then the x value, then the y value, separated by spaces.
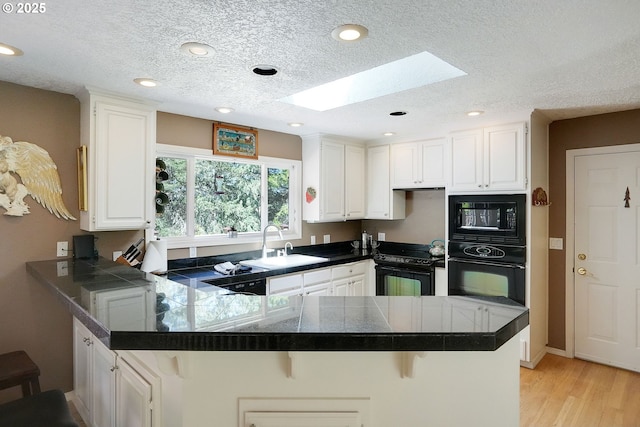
pixel 39 176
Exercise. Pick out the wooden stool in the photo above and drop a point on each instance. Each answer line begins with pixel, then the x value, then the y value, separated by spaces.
pixel 16 368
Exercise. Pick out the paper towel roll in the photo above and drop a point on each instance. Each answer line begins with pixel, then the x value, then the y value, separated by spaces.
pixel 155 258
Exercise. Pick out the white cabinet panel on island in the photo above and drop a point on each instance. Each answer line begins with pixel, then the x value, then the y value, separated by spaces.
pixel 108 392
pixel 489 159
pixel 120 137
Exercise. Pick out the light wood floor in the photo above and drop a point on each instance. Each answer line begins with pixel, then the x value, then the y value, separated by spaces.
pixel 563 392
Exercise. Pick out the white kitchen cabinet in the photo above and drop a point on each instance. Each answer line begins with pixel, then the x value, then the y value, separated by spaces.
pixel 421 164
pixel 349 279
pixel 286 285
pixel 108 392
pixel 489 159
pixel 382 201
pixel 318 282
pixel 120 137
pixel 333 179
pixel 133 397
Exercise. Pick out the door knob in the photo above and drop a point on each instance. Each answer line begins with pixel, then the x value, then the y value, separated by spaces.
pixel 582 257
pixel 582 271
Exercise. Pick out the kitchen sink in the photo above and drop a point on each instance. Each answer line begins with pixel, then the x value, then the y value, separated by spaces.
pixel 273 263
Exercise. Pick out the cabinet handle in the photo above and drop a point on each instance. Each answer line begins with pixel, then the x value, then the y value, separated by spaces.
pixel 479 185
pixel 113 368
pixel 486 185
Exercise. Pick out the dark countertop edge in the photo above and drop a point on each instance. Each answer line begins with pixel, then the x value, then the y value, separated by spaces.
pixel 318 342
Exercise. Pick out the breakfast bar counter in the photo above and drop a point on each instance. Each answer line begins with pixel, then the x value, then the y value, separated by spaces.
pixel 190 353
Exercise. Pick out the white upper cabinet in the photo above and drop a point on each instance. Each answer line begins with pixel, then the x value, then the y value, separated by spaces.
pixel 382 201
pixel 120 137
pixel 421 164
pixel 333 179
pixel 489 159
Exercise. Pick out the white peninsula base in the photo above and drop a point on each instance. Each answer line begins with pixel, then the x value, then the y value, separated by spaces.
pixel 369 389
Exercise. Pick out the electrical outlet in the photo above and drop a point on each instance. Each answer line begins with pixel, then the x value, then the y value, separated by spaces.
pixel 116 255
pixel 62 249
pixel 381 237
pixel 326 238
pixel 193 252
pixel 313 240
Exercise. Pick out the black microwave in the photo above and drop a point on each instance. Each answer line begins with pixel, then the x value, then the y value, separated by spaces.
pixel 488 218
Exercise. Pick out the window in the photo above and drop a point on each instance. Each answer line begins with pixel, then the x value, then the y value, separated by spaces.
pixel 211 195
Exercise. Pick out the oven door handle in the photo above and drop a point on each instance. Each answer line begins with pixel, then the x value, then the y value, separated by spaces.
pixel 492 264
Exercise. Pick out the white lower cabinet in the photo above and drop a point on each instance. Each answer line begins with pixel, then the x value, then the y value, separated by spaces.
pixel 342 280
pixel 349 279
pixel 108 391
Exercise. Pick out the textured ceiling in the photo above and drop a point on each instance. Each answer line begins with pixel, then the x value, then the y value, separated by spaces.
pixel 568 58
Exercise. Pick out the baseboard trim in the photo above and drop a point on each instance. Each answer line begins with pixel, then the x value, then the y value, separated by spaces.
pixel 70 395
pixel 558 352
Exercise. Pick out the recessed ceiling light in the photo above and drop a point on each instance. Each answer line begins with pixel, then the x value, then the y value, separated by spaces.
pixel 264 70
pixel 474 113
pixel 146 82
pixel 197 49
pixel 224 110
pixel 349 32
pixel 389 133
pixel 295 124
pixel 398 113
pixel 5 49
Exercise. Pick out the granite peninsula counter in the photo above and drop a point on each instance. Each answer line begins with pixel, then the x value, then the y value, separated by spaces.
pixel 450 361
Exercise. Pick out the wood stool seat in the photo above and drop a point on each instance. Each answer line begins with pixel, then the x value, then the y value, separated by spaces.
pixel 17 369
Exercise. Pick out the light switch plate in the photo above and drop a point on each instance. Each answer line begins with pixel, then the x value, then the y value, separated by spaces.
pixel 556 243
pixel 193 252
pixel 381 237
pixel 326 238
pixel 313 240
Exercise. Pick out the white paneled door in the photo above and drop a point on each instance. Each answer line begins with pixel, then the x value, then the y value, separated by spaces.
pixel 606 259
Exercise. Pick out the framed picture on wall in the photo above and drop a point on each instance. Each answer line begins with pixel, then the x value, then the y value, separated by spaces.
pixel 235 141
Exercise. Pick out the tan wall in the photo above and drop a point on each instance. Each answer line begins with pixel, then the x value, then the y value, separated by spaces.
pixel 585 132
pixel 424 222
pixel 31 319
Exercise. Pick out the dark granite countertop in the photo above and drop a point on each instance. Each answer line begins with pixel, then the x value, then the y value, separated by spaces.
pixel 128 309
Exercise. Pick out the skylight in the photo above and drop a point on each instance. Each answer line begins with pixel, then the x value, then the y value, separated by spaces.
pixel 408 73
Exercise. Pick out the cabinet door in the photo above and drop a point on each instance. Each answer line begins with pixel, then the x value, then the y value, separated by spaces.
pixel 434 163
pixel 333 181
pixel 404 165
pixel 82 341
pixel 341 287
pixel 382 201
pixel 133 397
pixel 354 182
pixel 122 159
pixel 103 381
pixel 357 286
pixel 320 289
pixel 466 161
pixel 504 157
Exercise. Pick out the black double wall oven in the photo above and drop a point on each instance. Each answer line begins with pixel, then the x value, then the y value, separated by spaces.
pixel 487 246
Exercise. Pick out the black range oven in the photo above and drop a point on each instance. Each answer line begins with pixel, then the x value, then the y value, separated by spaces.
pixel 404 270
pixel 487 246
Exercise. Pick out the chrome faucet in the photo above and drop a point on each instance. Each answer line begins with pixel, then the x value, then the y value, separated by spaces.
pixel 264 238
pixel 287 245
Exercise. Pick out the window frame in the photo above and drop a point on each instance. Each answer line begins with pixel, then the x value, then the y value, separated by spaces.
pixel 190 154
